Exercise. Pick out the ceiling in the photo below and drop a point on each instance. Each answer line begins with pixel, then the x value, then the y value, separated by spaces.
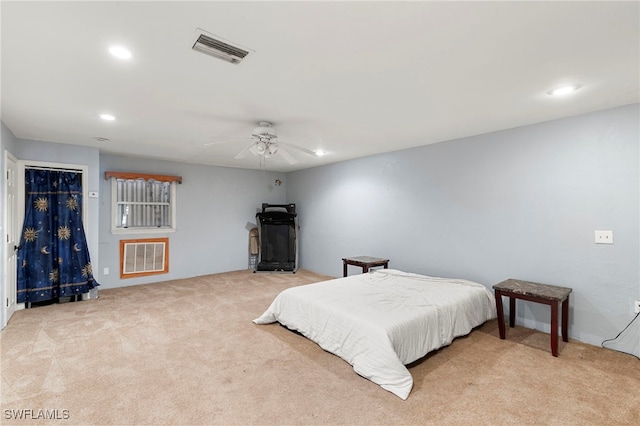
pixel 350 78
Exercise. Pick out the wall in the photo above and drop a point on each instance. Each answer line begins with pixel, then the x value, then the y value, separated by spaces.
pixel 520 203
pixel 7 140
pixel 214 206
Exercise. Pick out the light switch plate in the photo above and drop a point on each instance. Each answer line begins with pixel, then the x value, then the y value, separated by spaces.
pixel 604 237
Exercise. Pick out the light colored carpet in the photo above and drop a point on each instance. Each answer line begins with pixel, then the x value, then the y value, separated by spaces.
pixel 186 352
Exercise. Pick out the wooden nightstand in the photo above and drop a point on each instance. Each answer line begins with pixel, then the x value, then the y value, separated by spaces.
pixel 365 262
pixel 541 293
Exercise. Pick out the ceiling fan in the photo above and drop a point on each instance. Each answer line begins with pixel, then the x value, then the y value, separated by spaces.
pixel 265 143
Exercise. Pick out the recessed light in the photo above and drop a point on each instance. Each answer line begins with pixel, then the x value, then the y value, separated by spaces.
pixel 107 117
pixel 101 139
pixel 120 52
pixel 320 153
pixel 564 90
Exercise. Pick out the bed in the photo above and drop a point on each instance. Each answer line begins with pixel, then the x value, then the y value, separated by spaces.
pixel 383 320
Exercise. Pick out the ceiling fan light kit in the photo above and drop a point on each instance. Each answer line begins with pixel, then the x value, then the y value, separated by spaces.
pixel 266 144
pixel 261 147
pixel 272 148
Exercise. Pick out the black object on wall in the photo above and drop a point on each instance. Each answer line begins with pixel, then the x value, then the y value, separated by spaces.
pixel 277 228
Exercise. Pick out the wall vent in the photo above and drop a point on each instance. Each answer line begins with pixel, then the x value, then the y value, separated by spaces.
pixel 219 49
pixel 144 257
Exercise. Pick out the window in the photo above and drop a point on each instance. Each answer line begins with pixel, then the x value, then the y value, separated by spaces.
pixel 144 257
pixel 142 203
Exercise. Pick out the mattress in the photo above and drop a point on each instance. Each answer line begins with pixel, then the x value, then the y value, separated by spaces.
pixel 383 320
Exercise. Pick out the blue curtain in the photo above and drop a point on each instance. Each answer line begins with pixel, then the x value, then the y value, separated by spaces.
pixel 53 258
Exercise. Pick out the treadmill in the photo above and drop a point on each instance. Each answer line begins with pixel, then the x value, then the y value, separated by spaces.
pixel 277 231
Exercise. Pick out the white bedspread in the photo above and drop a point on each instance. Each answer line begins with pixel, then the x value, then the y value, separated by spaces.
pixel 381 321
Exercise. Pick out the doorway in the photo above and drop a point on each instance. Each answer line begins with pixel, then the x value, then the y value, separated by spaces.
pixel 15 190
pixel 53 259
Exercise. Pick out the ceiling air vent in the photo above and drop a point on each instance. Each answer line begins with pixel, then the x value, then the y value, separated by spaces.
pixel 219 49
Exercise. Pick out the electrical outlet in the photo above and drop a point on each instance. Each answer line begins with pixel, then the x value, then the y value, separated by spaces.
pixel 636 307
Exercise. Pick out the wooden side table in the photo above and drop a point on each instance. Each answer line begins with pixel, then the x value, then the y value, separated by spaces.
pixel 365 262
pixel 541 293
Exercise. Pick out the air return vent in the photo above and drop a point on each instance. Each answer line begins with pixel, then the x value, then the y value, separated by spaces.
pixel 215 47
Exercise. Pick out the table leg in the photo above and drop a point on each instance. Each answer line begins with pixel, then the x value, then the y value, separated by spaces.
pixel 565 320
pixel 344 269
pixel 500 313
pixel 512 312
pixel 554 328
pixel 386 265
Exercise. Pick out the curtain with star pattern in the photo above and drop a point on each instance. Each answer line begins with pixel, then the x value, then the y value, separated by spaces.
pixel 53 257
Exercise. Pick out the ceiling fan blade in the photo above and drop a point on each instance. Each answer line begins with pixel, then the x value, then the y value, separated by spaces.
pixel 286 155
pixel 244 151
pixel 299 148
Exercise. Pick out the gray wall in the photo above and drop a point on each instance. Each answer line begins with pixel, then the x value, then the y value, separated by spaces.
pixel 214 204
pixel 7 140
pixel 520 203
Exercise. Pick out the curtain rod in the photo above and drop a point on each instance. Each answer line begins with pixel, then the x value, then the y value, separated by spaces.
pixel 53 169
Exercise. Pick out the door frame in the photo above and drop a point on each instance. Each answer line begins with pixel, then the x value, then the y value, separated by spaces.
pixel 19 213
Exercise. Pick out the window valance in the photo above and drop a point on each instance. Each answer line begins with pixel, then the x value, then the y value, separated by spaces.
pixel 127 175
